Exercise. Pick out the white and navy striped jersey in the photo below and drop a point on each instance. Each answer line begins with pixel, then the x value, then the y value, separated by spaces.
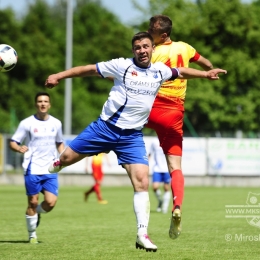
pixel 40 137
pixel 131 98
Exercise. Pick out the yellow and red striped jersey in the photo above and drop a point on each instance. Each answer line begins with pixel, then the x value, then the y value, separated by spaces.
pixel 174 54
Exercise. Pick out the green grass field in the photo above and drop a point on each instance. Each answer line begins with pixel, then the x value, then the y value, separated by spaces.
pixel 79 230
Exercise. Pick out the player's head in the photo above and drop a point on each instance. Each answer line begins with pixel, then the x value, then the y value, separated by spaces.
pixel 41 94
pixel 42 102
pixel 160 28
pixel 142 47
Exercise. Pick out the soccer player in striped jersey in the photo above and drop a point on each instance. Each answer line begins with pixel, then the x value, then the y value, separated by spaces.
pixel 119 127
pixel 167 114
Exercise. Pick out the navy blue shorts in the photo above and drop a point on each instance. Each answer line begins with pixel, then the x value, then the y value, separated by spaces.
pixel 161 177
pixel 34 184
pixel 101 136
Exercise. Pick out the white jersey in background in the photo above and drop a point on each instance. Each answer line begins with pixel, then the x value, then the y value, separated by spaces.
pixel 156 151
pixel 131 98
pixel 40 137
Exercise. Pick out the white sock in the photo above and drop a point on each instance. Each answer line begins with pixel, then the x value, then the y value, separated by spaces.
pixel 39 209
pixel 31 224
pixel 142 211
pixel 166 201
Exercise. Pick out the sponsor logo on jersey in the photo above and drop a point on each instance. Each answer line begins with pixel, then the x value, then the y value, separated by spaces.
pixel 134 73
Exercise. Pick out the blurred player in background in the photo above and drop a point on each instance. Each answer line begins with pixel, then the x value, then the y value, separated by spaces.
pixel 119 127
pixel 167 114
pixel 42 134
pixel 97 173
pixel 160 175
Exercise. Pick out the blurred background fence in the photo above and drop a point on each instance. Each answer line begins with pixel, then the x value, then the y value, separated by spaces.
pixel 206 161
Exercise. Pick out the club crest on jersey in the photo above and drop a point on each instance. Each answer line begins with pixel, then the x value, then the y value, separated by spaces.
pixel 35 130
pixel 155 75
pixel 134 73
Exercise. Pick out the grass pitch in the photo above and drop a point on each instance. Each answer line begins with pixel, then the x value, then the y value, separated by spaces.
pixel 86 230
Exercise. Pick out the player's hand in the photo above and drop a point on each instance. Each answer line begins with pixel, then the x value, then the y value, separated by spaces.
pixel 51 81
pixel 213 74
pixel 23 149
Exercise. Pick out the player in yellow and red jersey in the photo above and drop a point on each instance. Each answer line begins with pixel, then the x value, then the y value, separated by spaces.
pixel 167 114
pixel 97 173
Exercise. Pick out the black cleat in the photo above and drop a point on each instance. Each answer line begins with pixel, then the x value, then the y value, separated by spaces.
pixel 38 220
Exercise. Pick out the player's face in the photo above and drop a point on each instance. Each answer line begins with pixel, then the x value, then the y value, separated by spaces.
pixel 143 50
pixel 43 104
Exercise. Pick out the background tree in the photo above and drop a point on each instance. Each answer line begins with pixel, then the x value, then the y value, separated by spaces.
pixel 225 31
pixel 9 30
pixel 40 42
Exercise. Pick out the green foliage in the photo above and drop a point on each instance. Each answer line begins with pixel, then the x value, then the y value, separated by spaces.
pixel 95 39
pixel 228 34
pixel 41 45
pixel 225 32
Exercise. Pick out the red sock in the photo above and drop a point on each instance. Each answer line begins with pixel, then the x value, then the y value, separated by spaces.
pixel 177 185
pixel 97 190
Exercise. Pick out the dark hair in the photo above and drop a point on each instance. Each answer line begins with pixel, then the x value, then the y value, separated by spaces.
pixel 41 94
pixel 164 22
pixel 142 35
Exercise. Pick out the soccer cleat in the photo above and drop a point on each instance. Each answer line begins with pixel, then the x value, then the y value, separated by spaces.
pixel 144 242
pixel 38 219
pixel 103 202
pixel 33 240
pixel 175 228
pixel 55 166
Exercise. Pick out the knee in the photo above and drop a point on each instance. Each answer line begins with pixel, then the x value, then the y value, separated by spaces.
pixel 64 157
pixel 48 205
pixel 142 184
pixel 51 203
pixel 33 203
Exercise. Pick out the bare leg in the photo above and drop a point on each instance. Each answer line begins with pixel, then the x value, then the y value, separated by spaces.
pixel 69 157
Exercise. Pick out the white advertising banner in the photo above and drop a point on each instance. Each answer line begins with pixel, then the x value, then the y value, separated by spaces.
pixel 194 156
pixel 232 156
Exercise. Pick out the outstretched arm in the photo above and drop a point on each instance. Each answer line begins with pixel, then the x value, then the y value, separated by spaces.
pixel 189 73
pixel 204 63
pixel 80 71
